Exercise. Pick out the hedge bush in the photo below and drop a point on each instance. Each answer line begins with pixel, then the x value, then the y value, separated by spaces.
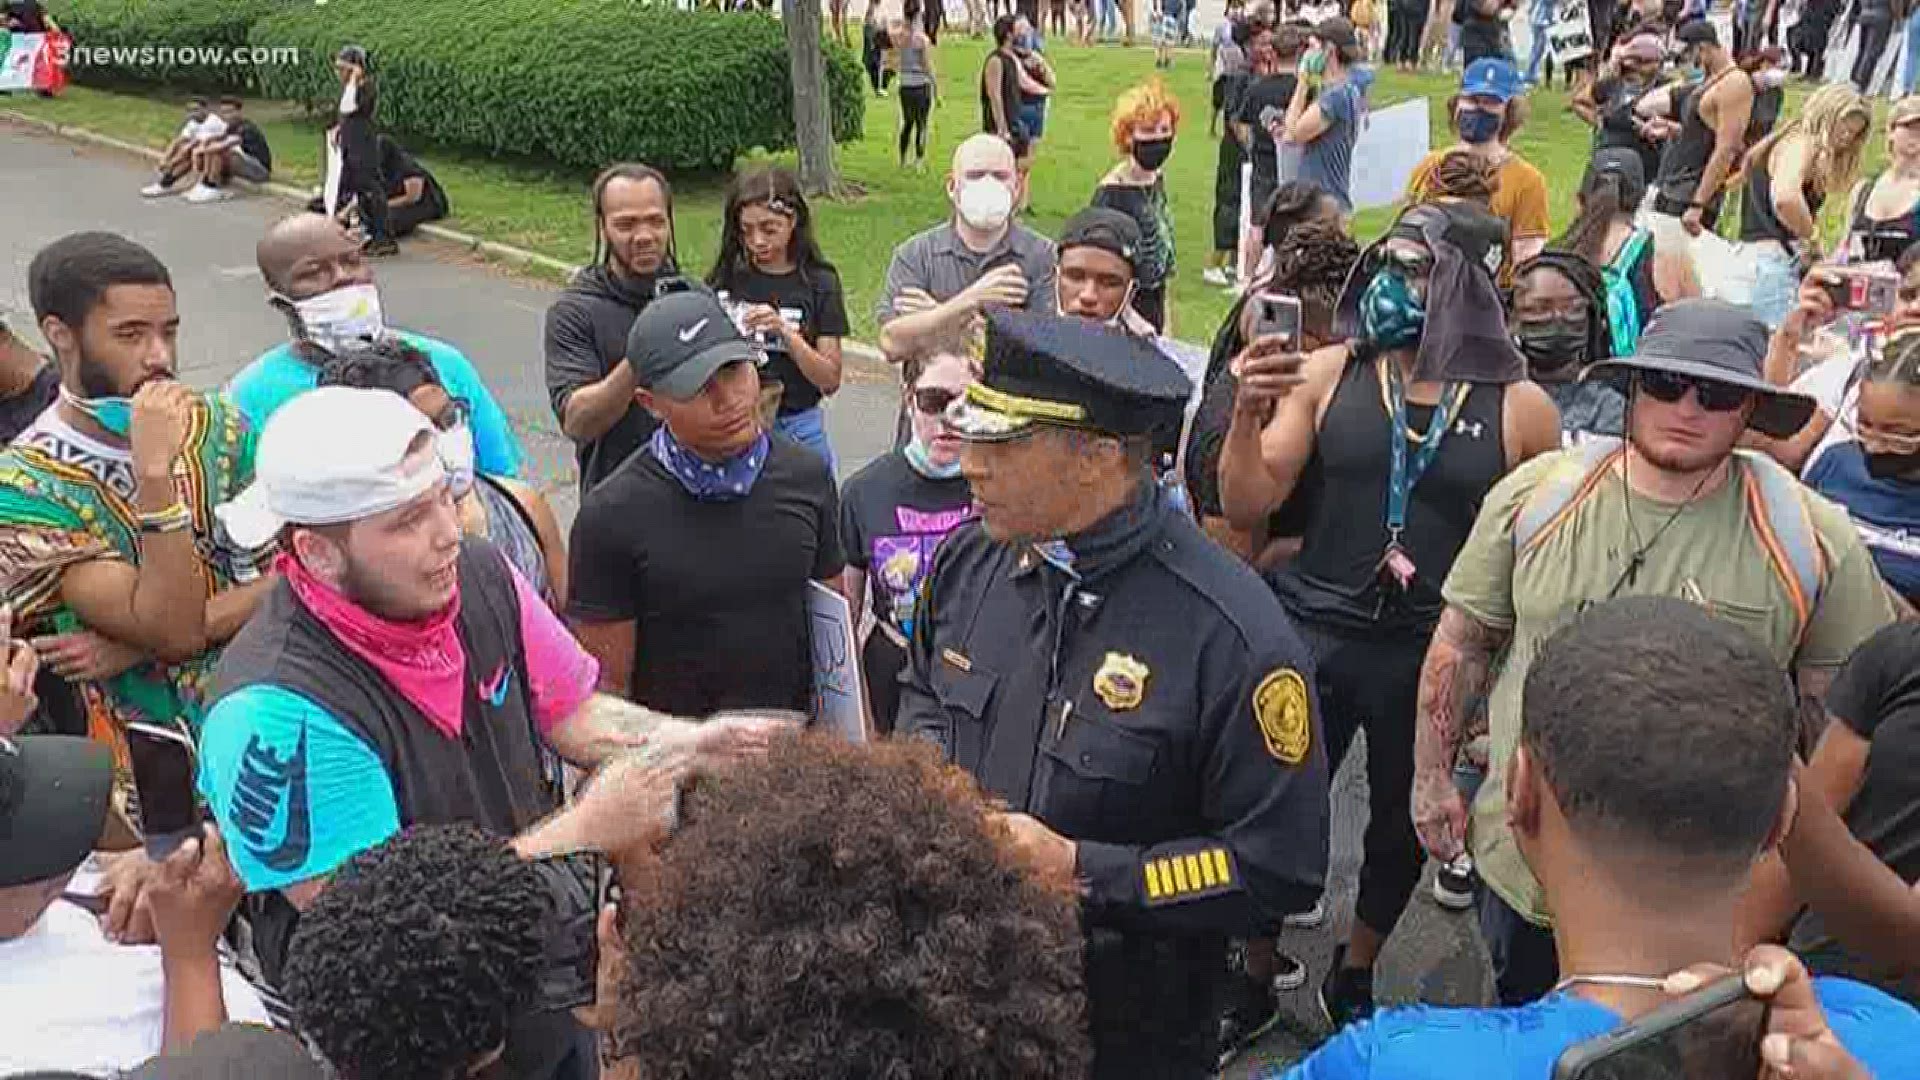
pixel 578 82
pixel 156 28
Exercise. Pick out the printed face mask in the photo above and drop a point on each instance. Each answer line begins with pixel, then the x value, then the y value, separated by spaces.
pixel 341 318
pixel 1391 316
pixel 985 203
pixel 456 456
pixel 1477 125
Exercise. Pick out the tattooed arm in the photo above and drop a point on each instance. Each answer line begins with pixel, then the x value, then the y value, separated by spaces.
pixel 605 726
pixel 1452 678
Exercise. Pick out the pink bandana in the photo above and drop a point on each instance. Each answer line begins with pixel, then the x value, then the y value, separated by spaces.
pixel 423 660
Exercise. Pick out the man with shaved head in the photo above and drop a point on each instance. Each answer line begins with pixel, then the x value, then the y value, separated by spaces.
pixel 317 276
pixel 944 277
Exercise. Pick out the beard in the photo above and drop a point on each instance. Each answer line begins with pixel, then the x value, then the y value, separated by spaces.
pixel 1684 462
pixel 97 381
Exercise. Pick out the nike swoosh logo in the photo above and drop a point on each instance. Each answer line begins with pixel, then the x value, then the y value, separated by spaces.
pixel 267 785
pixel 693 331
pixel 496 688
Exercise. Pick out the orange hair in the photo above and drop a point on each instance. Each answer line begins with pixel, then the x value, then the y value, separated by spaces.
pixel 1142 105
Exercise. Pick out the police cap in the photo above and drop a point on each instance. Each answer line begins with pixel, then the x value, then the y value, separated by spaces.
pixel 1055 369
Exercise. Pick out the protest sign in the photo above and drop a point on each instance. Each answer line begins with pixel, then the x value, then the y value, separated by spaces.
pixel 32 62
pixel 839 701
pixel 1570 38
pixel 1392 141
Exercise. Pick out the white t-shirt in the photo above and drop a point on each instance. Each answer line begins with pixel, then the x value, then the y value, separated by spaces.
pixel 208 127
pixel 72 1000
pixel 1831 385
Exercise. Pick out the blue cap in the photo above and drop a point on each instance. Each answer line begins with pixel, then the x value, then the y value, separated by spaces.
pixel 1492 77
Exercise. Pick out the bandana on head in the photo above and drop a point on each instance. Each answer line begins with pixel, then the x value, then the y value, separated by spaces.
pixel 710 481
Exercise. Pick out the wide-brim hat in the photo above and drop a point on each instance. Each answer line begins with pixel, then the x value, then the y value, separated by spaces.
pixel 1714 341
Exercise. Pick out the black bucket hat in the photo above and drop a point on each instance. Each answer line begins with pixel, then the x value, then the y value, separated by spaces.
pixel 1718 342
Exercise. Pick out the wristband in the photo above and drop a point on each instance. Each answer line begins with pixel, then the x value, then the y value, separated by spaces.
pixel 172 519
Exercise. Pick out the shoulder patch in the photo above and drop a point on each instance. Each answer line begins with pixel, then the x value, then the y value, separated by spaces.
pixel 1180 876
pixel 1281 708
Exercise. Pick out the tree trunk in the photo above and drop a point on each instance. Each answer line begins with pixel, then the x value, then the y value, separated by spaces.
pixel 812 128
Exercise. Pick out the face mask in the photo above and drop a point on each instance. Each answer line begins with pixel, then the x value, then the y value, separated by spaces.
pixel 1315 65
pixel 113 413
pixel 1118 318
pixel 920 460
pixel 456 455
pixel 1477 125
pixel 1894 466
pixel 344 317
pixel 1770 79
pixel 1551 346
pixel 1390 315
pixel 1151 154
pixel 985 203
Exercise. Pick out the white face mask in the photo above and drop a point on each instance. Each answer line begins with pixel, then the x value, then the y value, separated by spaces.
pixel 1770 78
pixel 985 203
pixel 344 317
pixel 456 456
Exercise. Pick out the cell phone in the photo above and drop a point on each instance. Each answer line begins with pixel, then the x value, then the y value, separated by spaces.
pixel 163 765
pixel 1277 313
pixel 1870 290
pixel 570 974
pixel 672 283
pixel 1714 1031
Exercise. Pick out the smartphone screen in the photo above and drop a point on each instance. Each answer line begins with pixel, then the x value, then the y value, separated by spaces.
pixel 1712 1032
pixel 163 764
pixel 1278 314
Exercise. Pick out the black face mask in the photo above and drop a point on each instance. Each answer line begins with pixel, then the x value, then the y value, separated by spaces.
pixel 1903 467
pixel 1152 153
pixel 1551 346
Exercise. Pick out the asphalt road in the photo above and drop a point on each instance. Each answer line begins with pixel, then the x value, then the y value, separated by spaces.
pixel 50 187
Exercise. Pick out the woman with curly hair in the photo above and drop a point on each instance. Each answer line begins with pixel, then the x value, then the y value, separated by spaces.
pixel 1145 121
pixel 833 912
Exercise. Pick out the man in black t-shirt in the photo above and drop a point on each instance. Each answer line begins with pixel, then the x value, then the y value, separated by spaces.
pixel 241 152
pixel 1262 108
pixel 691 561
pixel 414 197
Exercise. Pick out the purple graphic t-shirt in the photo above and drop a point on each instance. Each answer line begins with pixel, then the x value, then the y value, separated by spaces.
pixel 892 521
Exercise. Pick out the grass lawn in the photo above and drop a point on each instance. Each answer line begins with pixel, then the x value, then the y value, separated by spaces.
pixel 544 209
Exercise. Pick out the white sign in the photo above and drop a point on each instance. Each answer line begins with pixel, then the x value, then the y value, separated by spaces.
pixel 1571 36
pixel 1392 141
pixel 16 73
pixel 336 166
pixel 839 702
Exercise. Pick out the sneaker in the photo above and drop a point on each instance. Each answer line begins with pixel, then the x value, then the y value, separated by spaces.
pixel 1292 974
pixel 1251 1012
pixel 1453 884
pixel 375 249
pixel 1310 918
pixel 1347 994
pixel 155 190
pixel 1216 275
pixel 206 193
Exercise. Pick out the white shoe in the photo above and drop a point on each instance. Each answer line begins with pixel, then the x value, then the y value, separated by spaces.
pixel 155 190
pixel 1214 275
pixel 1308 919
pixel 203 193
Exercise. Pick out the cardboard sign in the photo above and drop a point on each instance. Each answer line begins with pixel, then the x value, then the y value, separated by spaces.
pixel 1570 38
pixel 839 701
pixel 1392 141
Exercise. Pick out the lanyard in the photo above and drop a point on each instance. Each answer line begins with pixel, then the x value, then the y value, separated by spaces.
pixel 1404 473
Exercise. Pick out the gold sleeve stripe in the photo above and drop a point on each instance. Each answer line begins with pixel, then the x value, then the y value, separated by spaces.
pixel 1220 864
pixel 1199 871
pixel 1197 875
pixel 1154 890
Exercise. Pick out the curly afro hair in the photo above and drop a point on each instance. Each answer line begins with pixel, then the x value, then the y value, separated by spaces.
pixel 418 954
pixel 835 911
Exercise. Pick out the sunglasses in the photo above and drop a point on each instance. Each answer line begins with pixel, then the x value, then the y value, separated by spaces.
pixel 1714 396
pixel 933 400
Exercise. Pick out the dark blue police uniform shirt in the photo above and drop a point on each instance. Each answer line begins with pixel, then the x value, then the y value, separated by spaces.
pixel 1157 709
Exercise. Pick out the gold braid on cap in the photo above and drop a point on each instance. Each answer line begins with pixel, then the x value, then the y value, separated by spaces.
pixel 1059 412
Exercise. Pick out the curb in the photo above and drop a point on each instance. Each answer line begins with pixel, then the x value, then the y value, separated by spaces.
pixel 872 364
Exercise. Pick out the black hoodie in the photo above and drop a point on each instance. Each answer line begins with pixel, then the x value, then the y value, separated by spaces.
pixel 586 336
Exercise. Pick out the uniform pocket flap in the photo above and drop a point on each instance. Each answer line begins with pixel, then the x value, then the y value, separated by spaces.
pixel 967 691
pixel 1099 750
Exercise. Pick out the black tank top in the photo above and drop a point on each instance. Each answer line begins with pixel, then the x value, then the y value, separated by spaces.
pixel 1883 238
pixel 1334 581
pixel 1009 90
pixel 1685 160
pixel 1759 219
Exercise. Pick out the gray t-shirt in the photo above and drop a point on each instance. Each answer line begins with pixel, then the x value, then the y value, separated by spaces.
pixel 1328 160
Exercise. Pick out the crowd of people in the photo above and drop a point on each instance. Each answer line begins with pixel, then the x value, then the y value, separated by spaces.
pixel 1617 581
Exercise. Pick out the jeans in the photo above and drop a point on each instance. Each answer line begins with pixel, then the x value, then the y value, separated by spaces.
pixel 808 427
pixel 1873 42
pixel 1776 281
pixel 1537 53
pixel 1109 17
pixel 1911 75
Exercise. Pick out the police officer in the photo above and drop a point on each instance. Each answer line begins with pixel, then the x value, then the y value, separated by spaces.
pixel 1130 690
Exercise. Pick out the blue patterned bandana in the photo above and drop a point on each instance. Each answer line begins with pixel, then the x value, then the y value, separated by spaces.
pixel 709 481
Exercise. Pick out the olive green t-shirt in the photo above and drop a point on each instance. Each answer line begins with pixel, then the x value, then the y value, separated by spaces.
pixel 1709 555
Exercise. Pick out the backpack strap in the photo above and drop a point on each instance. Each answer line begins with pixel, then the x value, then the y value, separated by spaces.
pixel 1566 485
pixel 1784 527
